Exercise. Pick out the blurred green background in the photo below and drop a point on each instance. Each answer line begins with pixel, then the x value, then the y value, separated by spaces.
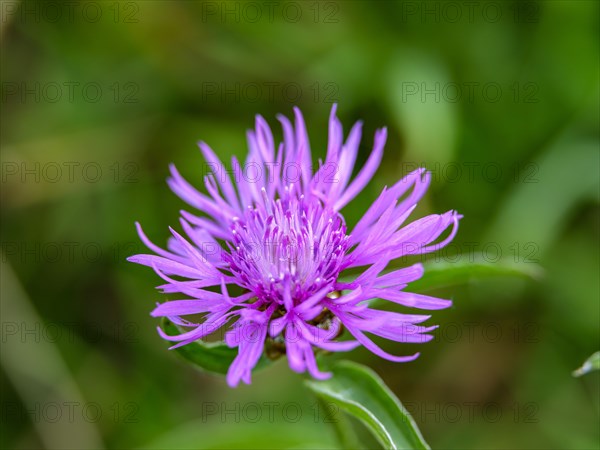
pixel 499 100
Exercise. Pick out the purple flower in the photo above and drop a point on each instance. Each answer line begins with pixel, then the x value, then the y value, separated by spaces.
pixel 273 228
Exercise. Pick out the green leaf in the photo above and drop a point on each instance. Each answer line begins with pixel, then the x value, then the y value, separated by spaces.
pixel 590 364
pixel 360 392
pixel 440 275
pixel 214 357
pixel 343 429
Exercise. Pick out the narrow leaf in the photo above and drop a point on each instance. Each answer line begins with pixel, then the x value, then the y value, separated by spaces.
pixel 360 392
pixel 590 364
pixel 439 275
pixel 214 357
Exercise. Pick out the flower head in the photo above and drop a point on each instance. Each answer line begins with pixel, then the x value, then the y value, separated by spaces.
pixel 273 228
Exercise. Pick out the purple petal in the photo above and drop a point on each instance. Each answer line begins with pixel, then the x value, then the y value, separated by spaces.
pixel 366 173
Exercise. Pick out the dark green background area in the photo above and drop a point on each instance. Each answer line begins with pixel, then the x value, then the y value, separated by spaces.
pixel 499 100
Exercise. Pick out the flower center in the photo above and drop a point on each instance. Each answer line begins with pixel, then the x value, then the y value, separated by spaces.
pixel 288 243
